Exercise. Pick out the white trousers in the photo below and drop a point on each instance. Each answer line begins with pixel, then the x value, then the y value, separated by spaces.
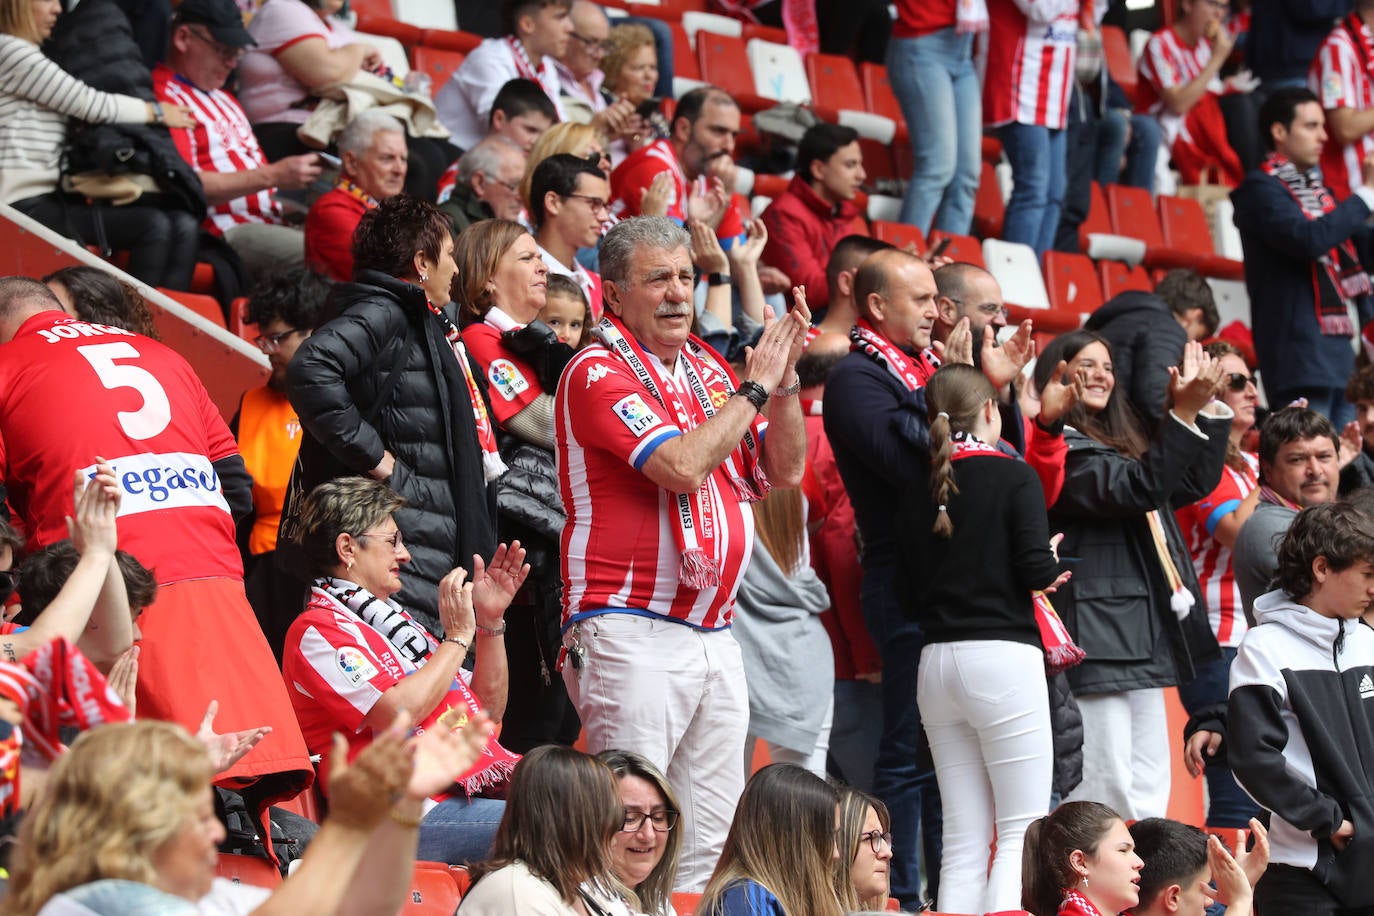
pixel 986 712
pixel 1125 752
pixel 677 696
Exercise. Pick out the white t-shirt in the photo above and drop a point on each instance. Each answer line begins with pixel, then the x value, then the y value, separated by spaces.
pixel 266 91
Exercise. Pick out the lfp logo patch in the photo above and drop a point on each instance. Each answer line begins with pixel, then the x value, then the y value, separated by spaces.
pixel 508 381
pixel 636 415
pixel 356 667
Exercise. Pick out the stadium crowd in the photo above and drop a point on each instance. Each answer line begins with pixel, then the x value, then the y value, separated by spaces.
pixel 574 478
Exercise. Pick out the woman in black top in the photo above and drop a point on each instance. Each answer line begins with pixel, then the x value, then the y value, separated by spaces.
pixel 981 681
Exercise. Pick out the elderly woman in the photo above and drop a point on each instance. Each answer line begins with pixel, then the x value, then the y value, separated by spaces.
pixel 39 99
pixel 553 849
pixel 631 68
pixel 127 818
pixel 644 853
pixel 354 658
pixel 386 389
pixel 373 151
pixel 864 841
pixel 502 285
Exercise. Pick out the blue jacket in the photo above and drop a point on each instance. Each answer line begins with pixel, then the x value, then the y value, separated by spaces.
pixel 1285 34
pixel 1281 247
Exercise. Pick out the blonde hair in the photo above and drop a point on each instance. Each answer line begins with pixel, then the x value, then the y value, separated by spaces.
pixel 625 40
pixel 16 18
pixel 563 137
pixel 780 525
pixel 654 895
pixel 782 838
pixel 110 803
pixel 854 807
pixel 478 251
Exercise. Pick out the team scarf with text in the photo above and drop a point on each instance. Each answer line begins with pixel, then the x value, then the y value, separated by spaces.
pixel 1337 275
pixel 911 371
pixel 492 465
pixel 56 687
pixel 1061 652
pixel 741 472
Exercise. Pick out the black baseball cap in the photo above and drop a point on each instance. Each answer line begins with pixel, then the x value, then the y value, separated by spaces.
pixel 222 17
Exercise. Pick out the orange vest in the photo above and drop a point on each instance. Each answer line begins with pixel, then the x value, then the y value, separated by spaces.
pixel 269 437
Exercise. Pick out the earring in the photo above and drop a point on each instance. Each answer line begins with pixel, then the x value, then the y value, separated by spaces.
pixel 349 565
pixel 1085 882
pixel 424 278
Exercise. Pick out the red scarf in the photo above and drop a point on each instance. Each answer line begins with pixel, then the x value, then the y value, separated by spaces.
pixel 526 67
pixel 492 465
pixel 1075 904
pixel 1340 277
pixel 911 371
pixel 1061 652
pixel 741 473
pixel 61 689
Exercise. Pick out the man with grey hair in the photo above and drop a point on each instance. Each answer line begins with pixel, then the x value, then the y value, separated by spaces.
pixel 488 184
pixel 653 553
pixel 373 150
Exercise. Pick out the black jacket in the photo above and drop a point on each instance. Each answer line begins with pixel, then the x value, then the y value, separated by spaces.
pixel 427 424
pixel 95 44
pixel 1146 340
pixel 1117 603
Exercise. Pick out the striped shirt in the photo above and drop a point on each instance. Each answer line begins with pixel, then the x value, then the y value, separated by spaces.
pixel 1340 76
pixel 1213 560
pixel 1168 63
pixel 222 141
pixel 36 99
pixel 1032 45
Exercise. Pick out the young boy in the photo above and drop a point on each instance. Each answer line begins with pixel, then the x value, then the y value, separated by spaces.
pixel 1181 864
pixel 1301 716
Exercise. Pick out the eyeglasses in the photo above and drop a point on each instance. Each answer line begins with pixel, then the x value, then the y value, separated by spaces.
pixel 661 821
pixel 394 539
pixel 271 343
pixel 877 840
pixel 1236 381
pixel 226 53
pixel 596 203
pixel 595 46
pixel 990 309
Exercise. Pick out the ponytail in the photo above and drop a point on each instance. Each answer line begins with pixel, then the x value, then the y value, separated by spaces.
pixel 1048 844
pixel 954 396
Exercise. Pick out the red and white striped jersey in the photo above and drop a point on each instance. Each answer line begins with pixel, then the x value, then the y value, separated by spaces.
pixel 619 544
pixel 1166 63
pixel 222 141
pixel 1340 76
pixel 1212 560
pixel 1032 45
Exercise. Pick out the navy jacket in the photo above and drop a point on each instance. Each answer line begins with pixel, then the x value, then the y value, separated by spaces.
pixel 1281 245
pixel 1285 34
pixel 1146 340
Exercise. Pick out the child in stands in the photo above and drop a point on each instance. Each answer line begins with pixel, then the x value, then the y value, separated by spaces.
pixel 566 311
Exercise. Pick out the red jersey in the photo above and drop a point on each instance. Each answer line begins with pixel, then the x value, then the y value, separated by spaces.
pixel 632 178
pixel 70 391
pixel 1032 45
pixel 329 231
pixel 922 17
pixel 512 382
pixel 1167 63
pixel 1342 76
pixel 222 141
pixel 619 546
pixel 1212 560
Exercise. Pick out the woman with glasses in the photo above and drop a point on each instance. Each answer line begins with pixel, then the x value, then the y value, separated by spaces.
pixel 1209 527
pixel 354 658
pixel 644 852
pixel 864 839
pixel 779 855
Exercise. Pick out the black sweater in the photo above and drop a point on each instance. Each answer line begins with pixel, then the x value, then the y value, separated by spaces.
pixel 977 583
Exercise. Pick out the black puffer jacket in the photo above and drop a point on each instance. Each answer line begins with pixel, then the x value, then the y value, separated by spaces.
pixel 1116 606
pixel 1146 340
pixel 427 425
pixel 95 44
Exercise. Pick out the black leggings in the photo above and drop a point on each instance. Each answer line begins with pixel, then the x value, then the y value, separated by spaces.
pixel 161 243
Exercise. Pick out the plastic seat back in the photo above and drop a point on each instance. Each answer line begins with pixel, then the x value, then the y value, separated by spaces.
pixel 1183 223
pixel 724 62
pixel 834 83
pixel 1117 277
pixel 778 72
pixel 207 307
pixel 1116 52
pixel 684 57
pixel 1017 272
pixel 247 870
pixel 1133 214
pixel 433 891
pixel 438 64
pixel 988 204
pixel 899 234
pixel 963 248
pixel 1071 282
pixel 450 40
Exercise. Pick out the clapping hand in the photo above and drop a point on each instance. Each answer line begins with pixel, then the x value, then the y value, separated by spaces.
pixel 494 585
pixel 1059 396
pixel 1352 443
pixel 95 504
pixel 229 748
pixel 655 199
pixel 958 346
pixel 708 205
pixel 362 792
pixel 442 754
pixel 1194 384
pixel 1003 364
pixel 746 254
pixel 707 255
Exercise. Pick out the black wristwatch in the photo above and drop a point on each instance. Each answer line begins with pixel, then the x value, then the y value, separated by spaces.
pixel 754 393
pixel 717 279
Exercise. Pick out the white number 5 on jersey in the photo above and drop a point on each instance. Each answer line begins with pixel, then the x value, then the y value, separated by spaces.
pixel 156 412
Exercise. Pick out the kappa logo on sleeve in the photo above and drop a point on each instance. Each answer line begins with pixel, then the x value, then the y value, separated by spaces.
pixel 636 415
pixel 357 670
pixel 597 373
pixel 508 381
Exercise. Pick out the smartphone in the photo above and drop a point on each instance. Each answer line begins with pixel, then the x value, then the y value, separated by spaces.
pixel 336 162
pixel 940 247
pixel 648 108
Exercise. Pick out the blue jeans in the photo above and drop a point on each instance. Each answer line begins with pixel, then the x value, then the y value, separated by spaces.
pixel 459 830
pixel 1227 803
pixel 935 83
pixel 903 777
pixel 1134 136
pixel 1037 193
pixel 857 729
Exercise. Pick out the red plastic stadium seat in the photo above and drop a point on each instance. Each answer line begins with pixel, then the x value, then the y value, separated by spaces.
pixel 877 159
pixel 988 206
pixel 1133 214
pixel 438 63
pixel 379 9
pixel 206 307
pixel 1183 223
pixel 764 33
pixel 1117 278
pixel 686 903
pixel 433 891
pixel 461 878
pixel 1098 219
pixel 247 870
pixel 725 63
pixel 446 40
pixel 963 248
pixel 684 58
pixel 834 85
pixel 770 185
pixel 880 99
pixel 407 34
pixel 899 234
pixel 1116 50
pixel 992 150
pixel 1072 283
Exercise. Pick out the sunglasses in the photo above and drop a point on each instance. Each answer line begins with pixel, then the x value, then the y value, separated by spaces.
pixel 1236 381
